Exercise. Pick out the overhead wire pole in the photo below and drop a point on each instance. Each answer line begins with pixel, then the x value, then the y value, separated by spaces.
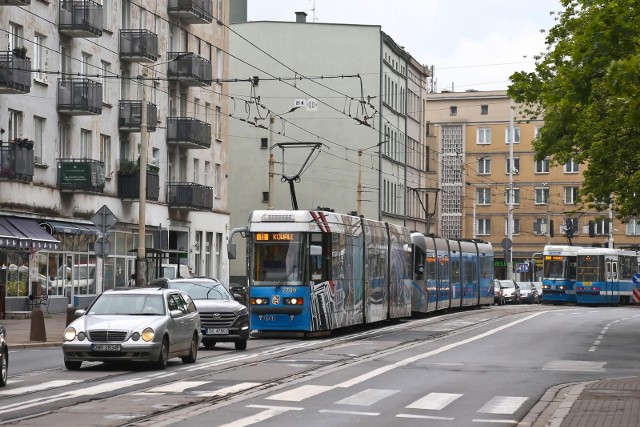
pixel 271 162
pixel 509 244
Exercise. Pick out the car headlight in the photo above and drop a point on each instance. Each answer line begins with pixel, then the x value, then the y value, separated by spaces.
pixel 70 334
pixel 242 311
pixel 148 334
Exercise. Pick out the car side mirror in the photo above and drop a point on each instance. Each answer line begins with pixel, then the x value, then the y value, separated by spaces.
pixel 176 313
pixel 80 312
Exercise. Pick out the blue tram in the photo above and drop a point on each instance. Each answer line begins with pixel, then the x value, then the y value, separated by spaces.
pixel 316 271
pixel 605 276
pixel 559 273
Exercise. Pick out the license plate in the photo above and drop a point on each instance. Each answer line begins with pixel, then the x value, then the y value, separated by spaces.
pixel 217 331
pixel 105 347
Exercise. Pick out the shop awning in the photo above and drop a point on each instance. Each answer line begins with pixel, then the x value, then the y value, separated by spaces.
pixel 29 234
pixel 64 227
pixel 7 238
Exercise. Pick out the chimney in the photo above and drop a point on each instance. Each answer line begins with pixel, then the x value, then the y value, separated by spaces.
pixel 301 16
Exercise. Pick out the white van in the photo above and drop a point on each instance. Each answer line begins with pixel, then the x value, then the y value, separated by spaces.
pixel 80 276
pixel 175 271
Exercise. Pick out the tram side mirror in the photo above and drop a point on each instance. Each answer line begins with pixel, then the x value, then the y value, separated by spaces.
pixel 231 250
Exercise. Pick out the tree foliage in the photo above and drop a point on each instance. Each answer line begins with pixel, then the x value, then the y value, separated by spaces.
pixel 586 85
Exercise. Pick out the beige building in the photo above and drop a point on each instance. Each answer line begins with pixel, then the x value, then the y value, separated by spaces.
pixel 472 129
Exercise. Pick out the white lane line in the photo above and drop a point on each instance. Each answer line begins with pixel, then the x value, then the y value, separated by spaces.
pixel 176 387
pixel 38 387
pixel 331 411
pixel 408 360
pixel 300 393
pixel 424 417
pixel 227 390
pixel 505 405
pixel 367 397
pixel 593 348
pixel 434 401
pixel 479 420
pixel 269 412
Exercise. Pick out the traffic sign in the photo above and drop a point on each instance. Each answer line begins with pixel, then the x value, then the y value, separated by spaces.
pixel 636 278
pixel 104 219
pixel 506 243
pixel 102 247
pixel 523 268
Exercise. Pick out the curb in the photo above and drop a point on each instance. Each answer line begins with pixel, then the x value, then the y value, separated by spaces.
pixel 13 346
pixel 554 405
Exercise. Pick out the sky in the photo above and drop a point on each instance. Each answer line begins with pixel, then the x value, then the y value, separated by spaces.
pixel 471 44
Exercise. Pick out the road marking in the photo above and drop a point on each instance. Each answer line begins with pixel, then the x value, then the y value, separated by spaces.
pixel 300 393
pixel 367 397
pixel 480 420
pixel 574 366
pixel 38 387
pixel 269 412
pixel 434 401
pixel 331 411
pixel 503 405
pixel 424 417
pixel 174 387
pixel 227 390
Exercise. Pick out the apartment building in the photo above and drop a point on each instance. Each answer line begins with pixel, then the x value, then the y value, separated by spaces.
pixel 341 109
pixel 91 93
pixel 473 130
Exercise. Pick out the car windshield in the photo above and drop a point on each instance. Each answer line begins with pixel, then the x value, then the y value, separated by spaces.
pixel 525 286
pixel 198 290
pixel 131 304
pixel 506 284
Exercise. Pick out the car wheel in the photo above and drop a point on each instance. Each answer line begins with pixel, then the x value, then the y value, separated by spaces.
pixel 72 365
pixel 241 345
pixel 209 345
pixel 163 358
pixel 4 368
pixel 193 351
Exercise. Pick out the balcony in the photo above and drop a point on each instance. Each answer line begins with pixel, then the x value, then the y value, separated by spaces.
pixel 138 45
pixel 16 160
pixel 79 97
pixel 15 73
pixel 129 181
pixel 15 2
pixel 192 11
pixel 189 69
pixel 188 133
pixel 80 18
pixel 81 175
pixel 189 195
pixel 130 118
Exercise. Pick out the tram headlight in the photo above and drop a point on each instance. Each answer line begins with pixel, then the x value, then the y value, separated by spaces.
pixel 293 301
pixel 546 287
pixel 562 287
pixel 259 301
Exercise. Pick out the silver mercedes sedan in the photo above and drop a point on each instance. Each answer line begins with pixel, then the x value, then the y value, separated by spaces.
pixel 134 324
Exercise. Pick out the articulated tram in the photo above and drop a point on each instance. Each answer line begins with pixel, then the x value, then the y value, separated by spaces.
pixel 605 276
pixel 317 271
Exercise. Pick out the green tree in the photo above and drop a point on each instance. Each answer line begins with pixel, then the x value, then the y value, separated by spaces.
pixel 586 86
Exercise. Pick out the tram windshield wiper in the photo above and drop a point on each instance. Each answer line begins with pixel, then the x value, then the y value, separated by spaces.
pixel 286 276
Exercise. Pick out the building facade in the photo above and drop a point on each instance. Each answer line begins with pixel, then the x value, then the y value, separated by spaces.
pixel 341 110
pixel 473 130
pixel 91 93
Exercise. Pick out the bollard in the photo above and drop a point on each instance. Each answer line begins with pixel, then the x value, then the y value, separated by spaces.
pixel 71 315
pixel 38 331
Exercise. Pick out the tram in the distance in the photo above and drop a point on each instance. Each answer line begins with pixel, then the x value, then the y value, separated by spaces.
pixel 605 276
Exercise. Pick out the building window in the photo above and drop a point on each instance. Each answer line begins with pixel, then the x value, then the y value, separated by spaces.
pixel 106 74
pixel 541 196
pixel 219 64
pixel 207 174
pixel 105 153
pixel 632 227
pixel 540 226
pixel 453 110
pixel 85 144
pixel 515 226
pixel 39 60
pixel 484 109
pixel 570 195
pixel 39 129
pixel 64 140
pixel 264 143
pixel 484 136
pixel 483 196
pixel 516 165
pixel 571 167
pixel 516 196
pixel 516 134
pixel 484 166
pixel 15 36
pixel 196 170
pixel 601 226
pixel 542 166
pixel 218 183
pixel 484 226
pixel 218 123
pixel 265 197
pixel 15 125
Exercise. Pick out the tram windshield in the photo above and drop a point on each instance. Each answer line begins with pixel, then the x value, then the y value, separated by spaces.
pixel 591 268
pixel 278 257
pixel 559 267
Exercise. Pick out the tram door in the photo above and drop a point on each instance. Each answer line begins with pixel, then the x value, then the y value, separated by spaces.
pixel 612 285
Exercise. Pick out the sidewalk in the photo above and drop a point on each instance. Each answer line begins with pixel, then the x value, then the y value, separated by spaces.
pixel 603 403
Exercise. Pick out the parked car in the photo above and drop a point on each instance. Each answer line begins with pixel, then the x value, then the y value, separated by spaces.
pixel 175 271
pixel 498 295
pixel 510 290
pixel 4 357
pixel 134 324
pixel 224 318
pixel 80 276
pixel 529 293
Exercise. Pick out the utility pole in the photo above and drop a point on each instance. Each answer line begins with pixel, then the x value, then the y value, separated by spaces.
pixel 359 199
pixel 141 262
pixel 510 199
pixel 271 163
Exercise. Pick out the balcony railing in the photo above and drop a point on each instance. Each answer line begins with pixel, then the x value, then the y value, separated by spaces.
pixel 16 160
pixel 80 18
pixel 130 118
pixel 192 11
pixel 15 2
pixel 129 181
pixel 81 175
pixel 189 69
pixel 189 195
pixel 15 73
pixel 138 45
pixel 79 96
pixel 188 132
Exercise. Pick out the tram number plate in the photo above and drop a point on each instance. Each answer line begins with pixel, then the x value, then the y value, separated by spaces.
pixel 217 331
pixel 105 347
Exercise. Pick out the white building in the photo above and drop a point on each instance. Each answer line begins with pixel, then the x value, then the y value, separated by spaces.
pixel 72 115
pixel 348 124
